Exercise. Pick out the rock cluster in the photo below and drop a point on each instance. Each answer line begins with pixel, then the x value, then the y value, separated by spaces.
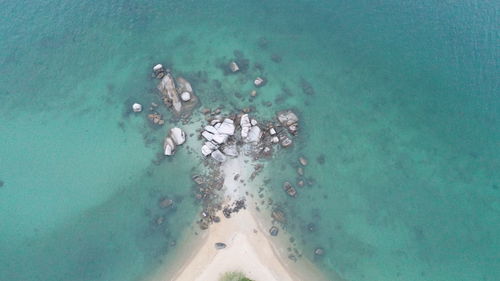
pixel 175 137
pixel 289 119
pixel 225 136
pixel 156 118
pixel 237 206
pixel 176 93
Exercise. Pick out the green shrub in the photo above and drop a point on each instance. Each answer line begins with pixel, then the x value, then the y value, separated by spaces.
pixel 234 276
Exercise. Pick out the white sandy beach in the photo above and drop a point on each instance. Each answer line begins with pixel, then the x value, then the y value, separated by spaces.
pixel 250 249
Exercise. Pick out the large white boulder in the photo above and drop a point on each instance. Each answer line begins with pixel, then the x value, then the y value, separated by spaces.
pixel 218 156
pixel 177 135
pixel 208 136
pixel 254 135
pixel 220 138
pixel 227 127
pixel 245 121
pixel 205 150
pixel 244 131
pixel 211 145
pixel 169 146
pixel 211 129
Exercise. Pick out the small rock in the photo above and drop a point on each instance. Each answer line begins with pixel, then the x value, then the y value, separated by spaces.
pixel 253 93
pixel 158 71
pixel 220 245
pixel 272 131
pixel 253 122
pixel 301 183
pixel 136 107
pixel 185 96
pixel 273 231
pixel 275 140
pixel 234 66
pixel 259 82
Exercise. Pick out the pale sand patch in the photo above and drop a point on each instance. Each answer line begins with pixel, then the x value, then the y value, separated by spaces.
pixel 250 249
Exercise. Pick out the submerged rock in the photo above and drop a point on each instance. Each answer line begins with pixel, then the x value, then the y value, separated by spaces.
pixel 289 189
pixel 185 96
pixel 166 202
pixel 286 142
pixel 303 161
pixel 319 251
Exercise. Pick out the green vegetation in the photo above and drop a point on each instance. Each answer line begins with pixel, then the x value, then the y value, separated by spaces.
pixel 234 276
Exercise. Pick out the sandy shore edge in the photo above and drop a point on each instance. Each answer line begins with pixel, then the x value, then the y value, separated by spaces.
pixel 250 249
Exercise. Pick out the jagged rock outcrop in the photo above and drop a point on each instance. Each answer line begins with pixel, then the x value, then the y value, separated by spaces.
pixel 169 92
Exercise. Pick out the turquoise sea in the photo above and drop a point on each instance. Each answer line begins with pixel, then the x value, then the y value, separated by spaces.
pixel 400 120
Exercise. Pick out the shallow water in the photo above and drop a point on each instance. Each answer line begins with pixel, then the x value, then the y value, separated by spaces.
pixel 401 131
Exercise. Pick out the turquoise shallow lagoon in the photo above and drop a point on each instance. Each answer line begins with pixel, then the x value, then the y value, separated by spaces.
pixel 400 124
